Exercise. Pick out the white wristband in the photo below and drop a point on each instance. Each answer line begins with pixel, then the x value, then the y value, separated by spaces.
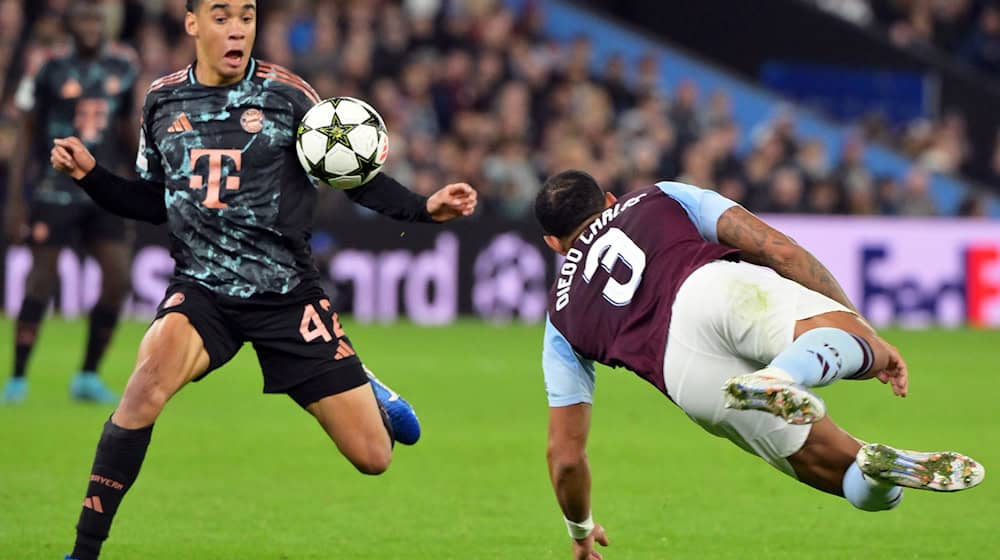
pixel 582 530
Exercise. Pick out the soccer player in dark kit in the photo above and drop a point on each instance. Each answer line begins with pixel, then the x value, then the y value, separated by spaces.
pixel 666 283
pixel 218 165
pixel 86 90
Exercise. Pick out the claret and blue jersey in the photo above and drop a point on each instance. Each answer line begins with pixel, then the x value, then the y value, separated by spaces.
pixel 612 298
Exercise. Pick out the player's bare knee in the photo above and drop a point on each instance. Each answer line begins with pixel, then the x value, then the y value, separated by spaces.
pixel 140 406
pixel 145 395
pixel 375 462
pixel 136 411
pixel 565 463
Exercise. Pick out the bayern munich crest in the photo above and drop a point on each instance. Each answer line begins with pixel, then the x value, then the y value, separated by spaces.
pixel 252 120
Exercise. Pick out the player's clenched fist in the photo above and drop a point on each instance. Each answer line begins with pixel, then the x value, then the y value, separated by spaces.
pixel 584 549
pixel 453 201
pixel 71 157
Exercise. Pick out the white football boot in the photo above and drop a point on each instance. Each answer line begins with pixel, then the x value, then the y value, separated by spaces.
pixel 941 471
pixel 774 391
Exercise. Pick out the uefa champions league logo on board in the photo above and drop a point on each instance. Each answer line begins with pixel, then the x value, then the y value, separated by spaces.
pixel 510 280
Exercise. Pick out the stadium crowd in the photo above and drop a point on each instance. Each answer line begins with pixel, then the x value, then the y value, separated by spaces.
pixel 473 91
pixel 969 30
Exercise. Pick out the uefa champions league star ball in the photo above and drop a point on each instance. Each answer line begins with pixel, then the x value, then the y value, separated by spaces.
pixel 342 142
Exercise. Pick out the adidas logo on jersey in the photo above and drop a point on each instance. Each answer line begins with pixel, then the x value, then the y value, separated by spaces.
pixel 182 124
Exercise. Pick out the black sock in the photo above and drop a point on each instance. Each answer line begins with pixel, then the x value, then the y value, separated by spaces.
pixel 103 319
pixel 26 332
pixel 116 466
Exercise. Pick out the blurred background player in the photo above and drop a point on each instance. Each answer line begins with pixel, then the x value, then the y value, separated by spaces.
pixel 217 160
pixel 675 263
pixel 85 89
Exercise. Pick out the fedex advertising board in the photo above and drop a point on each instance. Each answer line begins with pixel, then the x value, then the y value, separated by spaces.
pixel 909 272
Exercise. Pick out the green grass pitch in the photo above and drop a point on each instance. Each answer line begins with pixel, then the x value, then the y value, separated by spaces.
pixel 235 474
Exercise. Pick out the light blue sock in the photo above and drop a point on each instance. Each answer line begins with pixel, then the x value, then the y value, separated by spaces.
pixel 867 494
pixel 821 356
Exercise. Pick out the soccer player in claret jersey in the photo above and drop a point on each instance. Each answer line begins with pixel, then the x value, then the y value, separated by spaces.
pixel 664 282
pixel 84 89
pixel 218 165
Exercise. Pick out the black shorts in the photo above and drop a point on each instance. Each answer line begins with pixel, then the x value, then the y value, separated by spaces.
pixel 300 344
pixel 62 225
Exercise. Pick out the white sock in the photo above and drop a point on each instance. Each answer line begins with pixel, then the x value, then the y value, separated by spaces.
pixel 868 494
pixel 824 355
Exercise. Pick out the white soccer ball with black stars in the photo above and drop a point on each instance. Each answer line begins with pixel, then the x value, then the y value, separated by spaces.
pixel 342 142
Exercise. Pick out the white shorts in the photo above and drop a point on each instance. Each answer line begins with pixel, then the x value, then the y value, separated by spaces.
pixel 729 319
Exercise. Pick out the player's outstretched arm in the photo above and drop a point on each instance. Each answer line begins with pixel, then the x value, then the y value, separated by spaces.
pixel 570 475
pixel 137 200
pixel 761 244
pixel 387 196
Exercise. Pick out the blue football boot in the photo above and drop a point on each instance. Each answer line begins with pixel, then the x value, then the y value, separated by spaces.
pixel 87 386
pixel 15 390
pixel 402 418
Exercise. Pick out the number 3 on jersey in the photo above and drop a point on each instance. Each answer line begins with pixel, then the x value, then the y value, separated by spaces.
pixel 607 250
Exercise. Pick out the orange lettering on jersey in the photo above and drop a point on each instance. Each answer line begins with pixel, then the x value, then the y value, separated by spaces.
pixel 215 160
pixel 312 327
pixel 337 328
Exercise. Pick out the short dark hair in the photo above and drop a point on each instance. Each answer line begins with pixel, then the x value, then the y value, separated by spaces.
pixel 566 201
pixel 192 5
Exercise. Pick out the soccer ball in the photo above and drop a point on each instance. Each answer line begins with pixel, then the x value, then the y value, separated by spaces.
pixel 342 142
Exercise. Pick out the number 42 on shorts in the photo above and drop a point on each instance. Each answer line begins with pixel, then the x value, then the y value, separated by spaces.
pixel 312 328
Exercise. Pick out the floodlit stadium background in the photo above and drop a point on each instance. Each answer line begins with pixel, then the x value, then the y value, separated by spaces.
pixel 867 129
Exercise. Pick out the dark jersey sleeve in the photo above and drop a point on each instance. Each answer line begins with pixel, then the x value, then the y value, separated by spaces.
pixel 382 194
pixel 137 200
pixel 143 199
pixel 303 98
pixel 387 196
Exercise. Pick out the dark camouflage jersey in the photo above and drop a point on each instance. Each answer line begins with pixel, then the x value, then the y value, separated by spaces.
pixel 239 204
pixel 75 97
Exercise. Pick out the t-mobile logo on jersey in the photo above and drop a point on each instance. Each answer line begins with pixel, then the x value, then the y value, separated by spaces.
pixel 216 158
